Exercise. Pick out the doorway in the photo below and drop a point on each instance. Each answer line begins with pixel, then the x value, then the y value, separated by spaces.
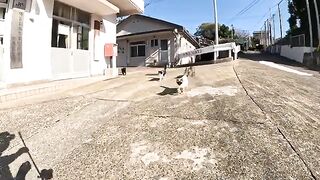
pixel 164 50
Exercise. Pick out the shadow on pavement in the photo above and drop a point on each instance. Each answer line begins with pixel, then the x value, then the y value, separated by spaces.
pixel 276 59
pixel 5 161
pixel 154 79
pixel 152 74
pixel 168 91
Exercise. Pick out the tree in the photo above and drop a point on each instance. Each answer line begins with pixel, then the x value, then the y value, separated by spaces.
pixel 207 30
pixel 241 34
pixel 299 19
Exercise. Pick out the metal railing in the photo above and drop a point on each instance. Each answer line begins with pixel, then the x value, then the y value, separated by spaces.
pixel 153 57
pixel 293 41
pixel 298 41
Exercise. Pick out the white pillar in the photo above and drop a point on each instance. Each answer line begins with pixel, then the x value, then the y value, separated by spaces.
pixel 230 54
pixel 310 26
pixel 217 27
pixel 318 21
pixel 216 22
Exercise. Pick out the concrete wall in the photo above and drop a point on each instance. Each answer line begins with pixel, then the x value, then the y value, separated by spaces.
pixel 294 53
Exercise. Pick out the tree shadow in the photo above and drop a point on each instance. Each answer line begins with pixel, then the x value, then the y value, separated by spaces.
pixel 168 91
pixel 275 59
pixel 5 161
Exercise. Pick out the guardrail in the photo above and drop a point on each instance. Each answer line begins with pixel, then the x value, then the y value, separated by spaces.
pixel 214 48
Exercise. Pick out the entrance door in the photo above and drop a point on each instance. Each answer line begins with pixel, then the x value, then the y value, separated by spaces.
pixel 164 51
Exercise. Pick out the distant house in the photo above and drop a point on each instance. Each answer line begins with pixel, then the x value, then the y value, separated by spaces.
pixel 259 37
pixel 146 41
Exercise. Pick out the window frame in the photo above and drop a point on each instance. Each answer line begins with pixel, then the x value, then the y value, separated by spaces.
pixel 134 47
pixel 74 20
pixel 154 43
pixel 4 6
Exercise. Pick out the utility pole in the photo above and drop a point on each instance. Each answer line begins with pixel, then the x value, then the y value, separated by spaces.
pixel 318 21
pixel 274 28
pixel 310 27
pixel 216 54
pixel 270 32
pixel 280 18
pixel 265 35
pixel 232 31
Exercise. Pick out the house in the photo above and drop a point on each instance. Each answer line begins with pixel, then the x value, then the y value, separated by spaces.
pixel 44 40
pixel 146 41
pixel 259 38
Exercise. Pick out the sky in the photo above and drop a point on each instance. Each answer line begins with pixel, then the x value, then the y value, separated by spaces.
pixel 191 13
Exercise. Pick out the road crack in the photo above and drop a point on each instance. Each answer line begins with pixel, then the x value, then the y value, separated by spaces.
pixel 188 118
pixel 296 150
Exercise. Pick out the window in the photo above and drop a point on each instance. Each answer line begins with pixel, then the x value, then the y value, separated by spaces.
pixel 61 33
pixel 164 45
pixel 3 6
pixel 67 21
pixel 2 13
pixel 154 43
pixel 138 49
pixel 83 38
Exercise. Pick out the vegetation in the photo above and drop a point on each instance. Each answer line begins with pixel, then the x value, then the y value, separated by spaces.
pixel 207 30
pixel 298 20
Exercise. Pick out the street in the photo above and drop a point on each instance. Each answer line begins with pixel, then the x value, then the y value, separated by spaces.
pixel 237 120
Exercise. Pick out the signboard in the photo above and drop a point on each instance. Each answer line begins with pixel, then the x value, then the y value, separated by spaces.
pixel 16 39
pixel 20 4
pixel 110 50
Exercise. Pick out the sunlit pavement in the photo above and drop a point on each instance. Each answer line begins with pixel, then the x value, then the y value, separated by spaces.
pixel 237 120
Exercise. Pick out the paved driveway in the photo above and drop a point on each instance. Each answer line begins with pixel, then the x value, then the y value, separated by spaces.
pixel 238 120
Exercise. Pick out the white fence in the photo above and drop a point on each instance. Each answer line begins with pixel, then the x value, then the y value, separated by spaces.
pixel 294 53
pixel 215 48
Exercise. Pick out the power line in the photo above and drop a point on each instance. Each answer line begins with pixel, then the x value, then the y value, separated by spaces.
pixel 246 9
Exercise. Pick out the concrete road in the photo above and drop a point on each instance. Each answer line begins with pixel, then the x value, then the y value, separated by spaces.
pixel 238 120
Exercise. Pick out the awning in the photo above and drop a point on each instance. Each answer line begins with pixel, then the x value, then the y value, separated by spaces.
pixel 99 7
pixel 129 7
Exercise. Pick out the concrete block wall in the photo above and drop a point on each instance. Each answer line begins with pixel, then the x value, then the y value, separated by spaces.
pixel 294 53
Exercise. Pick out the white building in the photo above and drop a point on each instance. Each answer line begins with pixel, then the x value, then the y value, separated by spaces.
pixel 146 41
pixel 58 39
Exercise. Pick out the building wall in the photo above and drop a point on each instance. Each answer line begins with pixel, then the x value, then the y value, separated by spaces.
pixel 107 34
pixel 176 44
pixel 36 44
pixel 186 46
pixel 152 53
pixel 43 62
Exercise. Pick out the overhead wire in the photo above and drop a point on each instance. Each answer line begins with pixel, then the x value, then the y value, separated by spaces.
pixel 246 9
